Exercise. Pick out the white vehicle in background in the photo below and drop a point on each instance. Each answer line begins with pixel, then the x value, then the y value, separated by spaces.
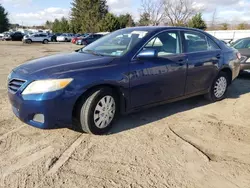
pixel 64 37
pixel 38 37
pixel 1 36
pixel 103 33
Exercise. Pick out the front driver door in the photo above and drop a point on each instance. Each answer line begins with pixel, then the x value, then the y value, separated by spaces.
pixel 160 78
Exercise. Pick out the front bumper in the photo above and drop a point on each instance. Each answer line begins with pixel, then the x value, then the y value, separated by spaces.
pixel 245 64
pixel 56 108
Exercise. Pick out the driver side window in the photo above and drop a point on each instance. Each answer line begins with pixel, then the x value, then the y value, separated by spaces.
pixel 165 44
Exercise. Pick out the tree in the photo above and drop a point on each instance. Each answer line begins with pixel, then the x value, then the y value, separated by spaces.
pixel 154 10
pixel 144 20
pixel 64 25
pixel 197 22
pixel 224 26
pixel 242 26
pixel 48 25
pixel 110 23
pixel 56 26
pixel 126 20
pixel 87 15
pixel 179 12
pixel 61 26
pixel 4 21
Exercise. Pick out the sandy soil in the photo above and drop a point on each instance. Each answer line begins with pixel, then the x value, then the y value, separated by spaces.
pixel 191 143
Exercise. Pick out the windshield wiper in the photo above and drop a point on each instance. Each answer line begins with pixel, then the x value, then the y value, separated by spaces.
pixel 92 52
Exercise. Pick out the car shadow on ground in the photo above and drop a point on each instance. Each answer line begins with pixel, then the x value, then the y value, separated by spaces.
pixel 240 87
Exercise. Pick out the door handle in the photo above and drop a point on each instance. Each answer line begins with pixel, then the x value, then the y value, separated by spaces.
pixel 218 56
pixel 181 62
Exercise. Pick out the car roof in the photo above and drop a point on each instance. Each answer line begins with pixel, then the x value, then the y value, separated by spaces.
pixel 246 38
pixel 160 28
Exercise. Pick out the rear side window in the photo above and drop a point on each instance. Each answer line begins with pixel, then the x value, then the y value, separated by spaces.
pixel 43 35
pixel 212 45
pixel 195 42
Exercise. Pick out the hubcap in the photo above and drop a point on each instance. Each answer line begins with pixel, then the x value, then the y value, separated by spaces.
pixel 220 87
pixel 104 112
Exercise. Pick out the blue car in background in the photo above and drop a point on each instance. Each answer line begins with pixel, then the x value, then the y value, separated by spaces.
pixel 89 88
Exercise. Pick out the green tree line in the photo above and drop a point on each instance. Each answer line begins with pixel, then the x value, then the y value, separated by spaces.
pixel 94 16
pixel 90 16
pixel 4 21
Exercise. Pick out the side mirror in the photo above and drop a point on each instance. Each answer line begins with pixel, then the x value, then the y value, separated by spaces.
pixel 147 53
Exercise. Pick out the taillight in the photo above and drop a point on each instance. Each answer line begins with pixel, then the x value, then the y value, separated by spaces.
pixel 238 55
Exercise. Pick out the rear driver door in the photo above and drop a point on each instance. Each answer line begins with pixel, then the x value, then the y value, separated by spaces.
pixel 204 57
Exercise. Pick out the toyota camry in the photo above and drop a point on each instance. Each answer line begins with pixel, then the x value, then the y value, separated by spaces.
pixel 90 87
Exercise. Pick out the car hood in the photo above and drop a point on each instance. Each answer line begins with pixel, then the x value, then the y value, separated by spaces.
pixel 61 63
pixel 245 52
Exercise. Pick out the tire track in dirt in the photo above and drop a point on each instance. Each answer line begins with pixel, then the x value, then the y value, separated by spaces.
pixel 57 163
pixel 4 136
pixel 65 155
pixel 25 162
pixel 208 158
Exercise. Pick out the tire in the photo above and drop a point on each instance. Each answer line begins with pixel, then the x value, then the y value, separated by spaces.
pixel 45 41
pixel 28 41
pixel 66 40
pixel 219 88
pixel 90 119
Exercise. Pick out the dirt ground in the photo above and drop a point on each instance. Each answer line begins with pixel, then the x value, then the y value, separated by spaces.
pixel 191 143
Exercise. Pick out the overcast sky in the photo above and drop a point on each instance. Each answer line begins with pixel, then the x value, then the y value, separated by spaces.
pixel 35 12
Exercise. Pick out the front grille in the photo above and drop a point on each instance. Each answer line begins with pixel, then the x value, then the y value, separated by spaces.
pixel 15 84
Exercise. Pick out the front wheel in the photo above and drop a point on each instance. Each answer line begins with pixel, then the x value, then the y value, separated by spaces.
pixel 96 114
pixel 28 41
pixel 219 88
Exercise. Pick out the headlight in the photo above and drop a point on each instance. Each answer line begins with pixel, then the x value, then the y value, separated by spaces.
pixel 43 86
pixel 248 60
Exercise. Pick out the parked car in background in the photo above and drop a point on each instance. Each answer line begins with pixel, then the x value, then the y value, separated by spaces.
pixel 243 45
pixel 103 33
pixel 17 36
pixel 65 37
pixel 78 37
pixel 38 37
pixel 91 86
pixel 54 37
pixel 1 36
pixel 7 36
pixel 226 42
pixel 89 39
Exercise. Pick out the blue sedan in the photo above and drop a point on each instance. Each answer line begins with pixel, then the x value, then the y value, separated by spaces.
pixel 89 88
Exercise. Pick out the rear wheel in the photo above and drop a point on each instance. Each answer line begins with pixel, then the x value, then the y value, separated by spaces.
pixel 45 41
pixel 219 88
pixel 96 114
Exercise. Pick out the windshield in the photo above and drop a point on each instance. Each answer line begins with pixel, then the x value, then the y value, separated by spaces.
pixel 244 43
pixel 116 44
